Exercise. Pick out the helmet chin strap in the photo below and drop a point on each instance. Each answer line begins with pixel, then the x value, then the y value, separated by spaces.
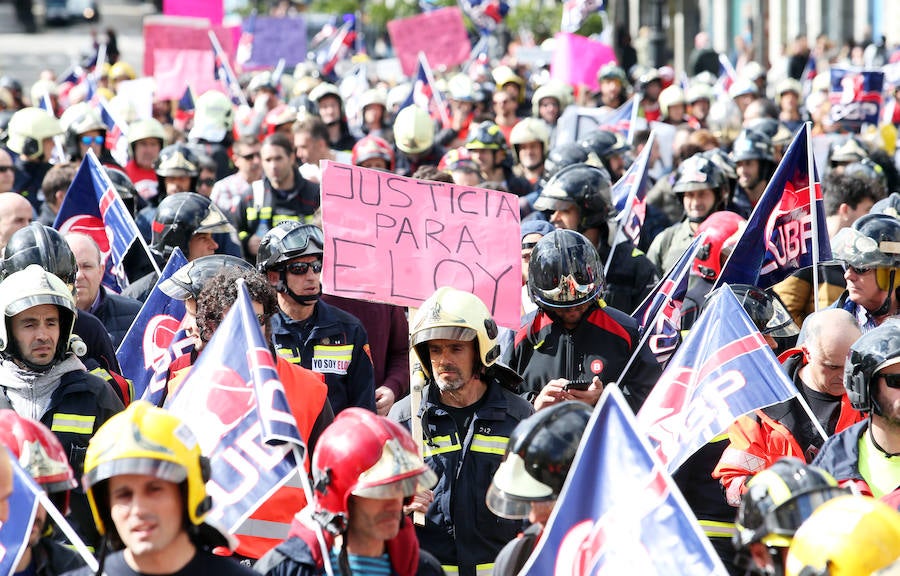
pixel 305 299
pixel 886 305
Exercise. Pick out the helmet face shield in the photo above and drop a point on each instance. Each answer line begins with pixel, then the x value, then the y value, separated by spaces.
pixel 861 251
pixel 214 222
pixel 459 333
pixel 513 489
pixel 164 470
pixel 569 275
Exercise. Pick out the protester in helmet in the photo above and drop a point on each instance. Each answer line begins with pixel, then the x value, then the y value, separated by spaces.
pixel 212 133
pixel 777 501
pixel 613 86
pixel 549 102
pixel 699 186
pixel 673 106
pixel 145 141
pixel 307 330
pixel 373 115
pixel 648 84
pixel 366 469
pixel 187 221
pixel 847 536
pixel 42 456
pixel 415 140
pixel 330 108
pixel 30 135
pixel 816 368
pixel 862 454
pixel 609 149
pixel 85 131
pixel 41 378
pixel 565 280
pixel 530 142
pixel 461 98
pixel 579 198
pixel 870 253
pixel 459 163
pixel 848 151
pixel 282 195
pixel 699 98
pixel 528 482
pixel 487 145
pixel 146 479
pixel 373 152
pixel 561 156
pixel 44 246
pixel 752 152
pixel 722 231
pixel 454 338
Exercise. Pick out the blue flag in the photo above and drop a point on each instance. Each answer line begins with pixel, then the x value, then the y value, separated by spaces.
pixel 143 349
pixel 781 235
pixel 629 194
pixel 660 313
pixel 93 207
pixel 723 369
pixel 619 120
pixel 155 392
pixel 238 410
pixel 15 532
pixel 619 511
pixel 186 102
pixel 421 94
pixel 856 97
pixel 223 73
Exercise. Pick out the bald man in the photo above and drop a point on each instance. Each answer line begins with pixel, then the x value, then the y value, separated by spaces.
pixel 6 484
pixel 15 214
pixel 7 171
pixel 816 368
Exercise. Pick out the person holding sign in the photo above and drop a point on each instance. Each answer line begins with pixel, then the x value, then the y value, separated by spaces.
pixel 306 330
pixel 575 344
pixel 468 413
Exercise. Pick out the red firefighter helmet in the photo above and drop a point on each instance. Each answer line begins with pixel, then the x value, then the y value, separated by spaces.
pixel 721 234
pixel 363 454
pixel 40 453
pixel 372 147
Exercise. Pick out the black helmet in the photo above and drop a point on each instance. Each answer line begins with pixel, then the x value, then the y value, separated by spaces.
pixel 41 245
pixel 889 206
pixel 872 352
pixel 189 280
pixel 561 156
pixel 604 143
pixel 564 271
pixel 586 186
pixel 697 173
pixel 177 160
pixel 485 136
pixel 752 145
pixel 538 456
pixel 182 215
pixel 287 241
pixel 778 500
pixel 873 241
pixel 766 310
pixel 867 169
pixel 125 188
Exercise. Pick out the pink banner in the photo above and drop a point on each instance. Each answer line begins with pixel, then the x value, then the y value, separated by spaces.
pixel 175 33
pixel 393 239
pixel 212 10
pixel 175 68
pixel 577 59
pixel 440 34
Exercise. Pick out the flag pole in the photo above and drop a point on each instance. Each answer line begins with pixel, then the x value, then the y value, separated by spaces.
pixel 300 458
pixel 814 214
pixel 70 533
pixel 632 122
pixel 434 89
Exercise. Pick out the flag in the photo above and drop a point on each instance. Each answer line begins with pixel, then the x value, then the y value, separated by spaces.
pixel 181 344
pixel 15 532
pixel 809 74
pixel 660 313
pixel 244 51
pixel 485 14
pixel 238 410
pixel 856 97
pixel 723 369
pixel 421 94
pixel 619 511
pixel 781 235
pixel 629 194
pixel 115 143
pixel 142 352
pixel 93 207
pixel 341 44
pixel 352 87
pixel 575 12
pixel 619 120
pixel 727 76
pixel 186 102
pixel 223 72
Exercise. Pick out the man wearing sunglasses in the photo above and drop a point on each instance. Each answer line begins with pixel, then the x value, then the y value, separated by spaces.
pixel 227 192
pixel 867 454
pixel 870 253
pixel 306 330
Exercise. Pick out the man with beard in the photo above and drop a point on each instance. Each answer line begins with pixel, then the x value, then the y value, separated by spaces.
pixel 468 412
pixel 866 454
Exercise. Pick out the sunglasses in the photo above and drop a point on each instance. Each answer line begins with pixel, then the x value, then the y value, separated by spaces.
pixel 301 268
pixel 249 156
pixel 88 140
pixel 891 380
pixel 207 182
pixel 5 169
pixel 856 270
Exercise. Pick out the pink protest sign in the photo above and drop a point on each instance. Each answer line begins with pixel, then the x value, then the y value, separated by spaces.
pixel 175 68
pixel 394 239
pixel 176 33
pixel 212 10
pixel 577 59
pixel 440 34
